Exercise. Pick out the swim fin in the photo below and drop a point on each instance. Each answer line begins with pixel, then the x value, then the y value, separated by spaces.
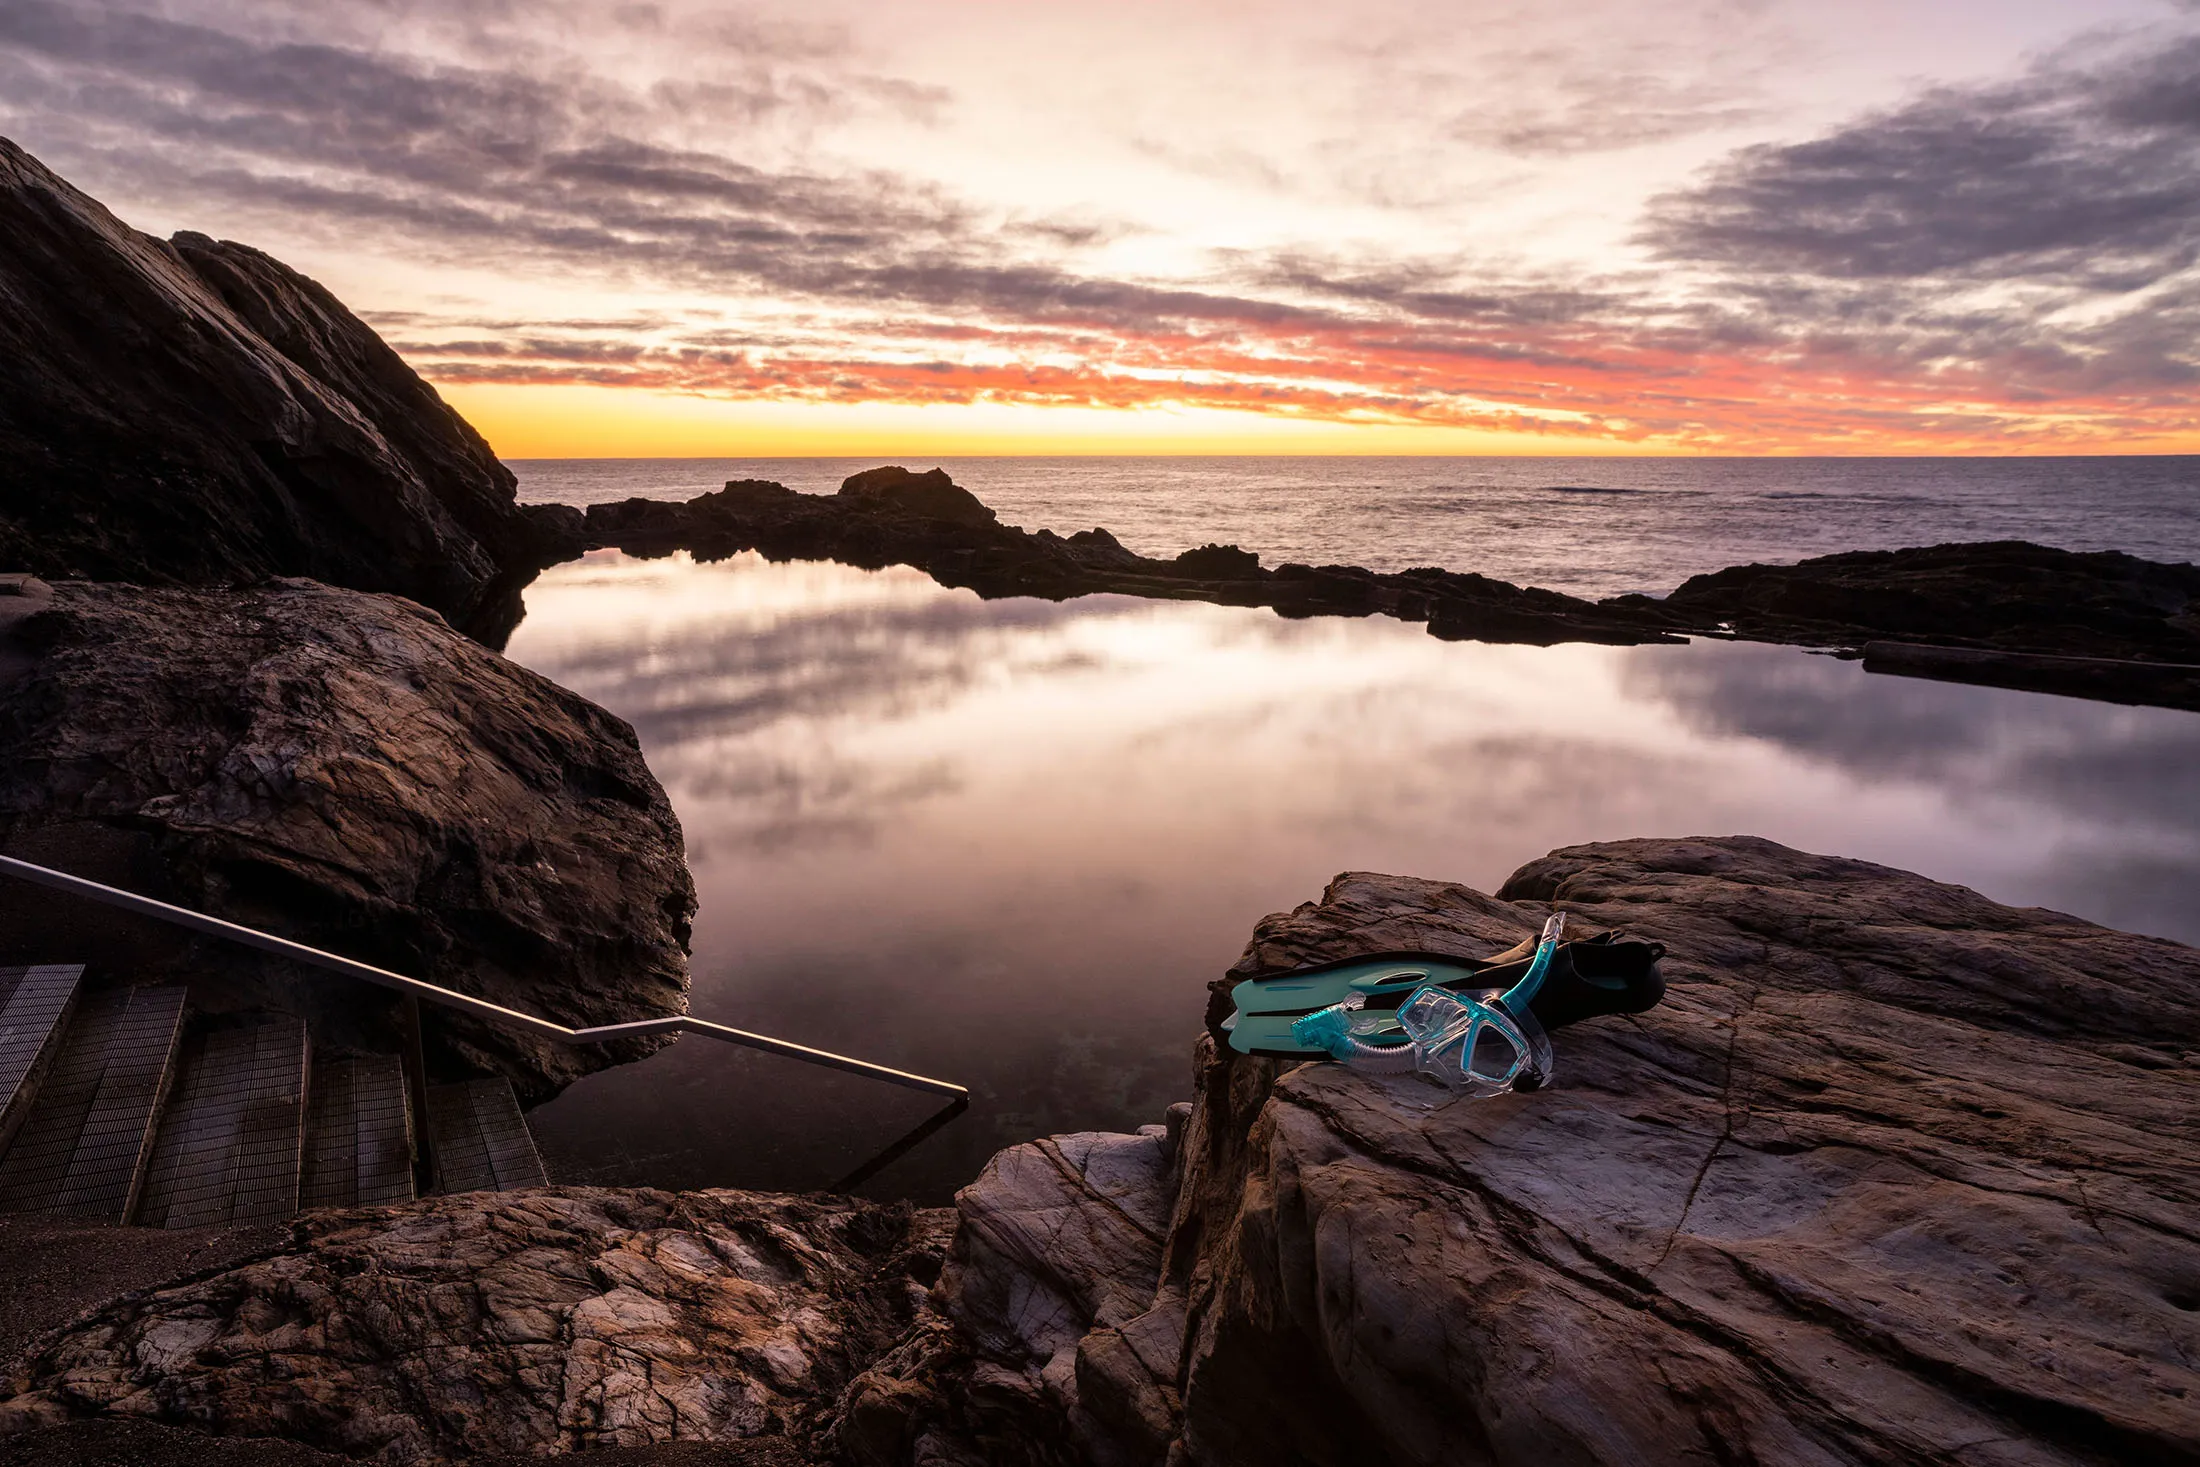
pixel 1604 974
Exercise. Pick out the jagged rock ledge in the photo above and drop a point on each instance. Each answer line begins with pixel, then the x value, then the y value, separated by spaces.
pixel 2138 620
pixel 1895 1174
pixel 348 771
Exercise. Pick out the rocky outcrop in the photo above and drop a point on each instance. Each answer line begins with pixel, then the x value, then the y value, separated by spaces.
pixel 2009 603
pixel 520 1324
pixel 1895 1174
pixel 345 770
pixel 890 516
pixel 193 411
pixel 2005 595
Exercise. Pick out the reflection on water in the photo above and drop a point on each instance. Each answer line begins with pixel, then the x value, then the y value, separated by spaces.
pixel 1007 843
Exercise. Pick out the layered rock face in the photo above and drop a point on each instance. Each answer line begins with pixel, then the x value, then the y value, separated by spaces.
pixel 346 770
pixel 193 411
pixel 1895 1174
pixel 523 1324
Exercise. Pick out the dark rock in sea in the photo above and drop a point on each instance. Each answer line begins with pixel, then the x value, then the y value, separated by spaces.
pixel 889 516
pixel 2007 595
pixel 521 1324
pixel 930 495
pixel 346 770
pixel 1895 1174
pixel 192 411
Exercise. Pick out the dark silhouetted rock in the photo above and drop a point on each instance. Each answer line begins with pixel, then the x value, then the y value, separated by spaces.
pixel 194 411
pixel 1895 1174
pixel 930 495
pixel 889 516
pixel 346 770
pixel 2008 595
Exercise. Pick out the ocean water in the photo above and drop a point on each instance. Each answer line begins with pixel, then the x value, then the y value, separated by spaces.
pixel 1008 843
pixel 1589 526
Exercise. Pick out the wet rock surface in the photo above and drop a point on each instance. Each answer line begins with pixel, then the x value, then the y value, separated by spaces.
pixel 494 1327
pixel 193 411
pixel 346 770
pixel 1895 1174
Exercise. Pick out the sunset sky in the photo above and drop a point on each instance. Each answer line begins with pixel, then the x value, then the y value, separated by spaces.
pixel 1399 226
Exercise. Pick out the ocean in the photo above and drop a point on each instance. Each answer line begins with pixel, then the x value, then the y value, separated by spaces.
pixel 1009 842
pixel 1588 526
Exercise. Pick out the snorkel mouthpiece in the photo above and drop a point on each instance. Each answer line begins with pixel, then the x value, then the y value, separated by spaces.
pixel 1453 1038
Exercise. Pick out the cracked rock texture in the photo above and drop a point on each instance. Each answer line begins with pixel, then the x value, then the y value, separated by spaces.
pixel 1896 1174
pixel 345 770
pixel 193 411
pixel 526 1323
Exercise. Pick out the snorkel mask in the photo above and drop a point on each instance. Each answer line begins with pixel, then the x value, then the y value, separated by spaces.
pixel 1479 1044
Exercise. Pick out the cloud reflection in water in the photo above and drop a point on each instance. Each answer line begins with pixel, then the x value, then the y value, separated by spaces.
pixel 1009 842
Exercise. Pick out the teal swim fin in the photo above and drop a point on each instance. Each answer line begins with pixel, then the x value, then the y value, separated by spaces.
pixel 1605 974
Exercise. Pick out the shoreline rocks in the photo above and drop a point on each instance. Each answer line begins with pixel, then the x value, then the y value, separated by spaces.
pixel 345 770
pixel 1895 1174
pixel 890 516
pixel 494 1324
pixel 2138 621
pixel 193 411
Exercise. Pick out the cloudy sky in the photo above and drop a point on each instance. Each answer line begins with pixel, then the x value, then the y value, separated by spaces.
pixel 862 226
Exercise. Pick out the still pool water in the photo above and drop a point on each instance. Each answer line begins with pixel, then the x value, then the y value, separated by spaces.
pixel 1008 843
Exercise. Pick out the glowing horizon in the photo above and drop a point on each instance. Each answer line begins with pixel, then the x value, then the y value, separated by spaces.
pixel 847 229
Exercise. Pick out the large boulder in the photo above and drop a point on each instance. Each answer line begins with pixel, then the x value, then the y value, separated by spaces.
pixel 525 1324
pixel 346 770
pixel 931 495
pixel 192 411
pixel 1895 1174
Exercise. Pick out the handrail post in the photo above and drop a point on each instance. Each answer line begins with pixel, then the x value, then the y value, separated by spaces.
pixel 416 1093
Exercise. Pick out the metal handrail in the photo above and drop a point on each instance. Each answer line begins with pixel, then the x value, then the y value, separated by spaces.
pixel 465 1003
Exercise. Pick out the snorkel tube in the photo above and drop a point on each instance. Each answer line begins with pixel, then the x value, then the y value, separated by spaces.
pixel 1443 1029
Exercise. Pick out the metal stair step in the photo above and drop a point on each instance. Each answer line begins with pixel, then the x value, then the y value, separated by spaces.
pixel 229 1147
pixel 358 1134
pixel 479 1139
pixel 83 1146
pixel 34 1008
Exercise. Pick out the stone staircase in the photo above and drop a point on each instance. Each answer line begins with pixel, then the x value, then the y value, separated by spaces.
pixel 124 1106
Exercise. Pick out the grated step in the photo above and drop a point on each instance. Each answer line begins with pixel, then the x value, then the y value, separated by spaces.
pixel 34 1008
pixel 479 1139
pixel 228 1149
pixel 358 1134
pixel 84 1144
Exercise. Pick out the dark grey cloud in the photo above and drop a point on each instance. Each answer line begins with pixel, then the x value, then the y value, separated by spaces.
pixel 1849 251
pixel 2084 172
pixel 451 161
